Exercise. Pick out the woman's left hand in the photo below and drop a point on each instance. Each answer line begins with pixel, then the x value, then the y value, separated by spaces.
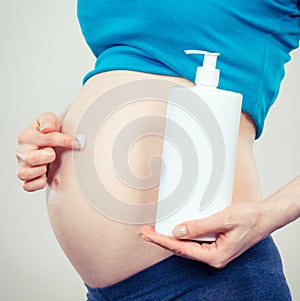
pixel 237 227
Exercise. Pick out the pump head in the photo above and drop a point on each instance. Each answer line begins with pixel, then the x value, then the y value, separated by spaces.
pixel 207 74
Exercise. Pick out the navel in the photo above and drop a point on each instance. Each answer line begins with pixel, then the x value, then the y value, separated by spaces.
pixel 53 195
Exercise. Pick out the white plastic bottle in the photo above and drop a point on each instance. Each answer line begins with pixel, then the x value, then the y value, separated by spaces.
pixel 199 149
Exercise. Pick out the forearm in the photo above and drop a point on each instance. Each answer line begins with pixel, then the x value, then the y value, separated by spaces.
pixel 283 206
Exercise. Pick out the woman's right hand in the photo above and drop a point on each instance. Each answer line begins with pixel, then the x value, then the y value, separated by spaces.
pixel 36 150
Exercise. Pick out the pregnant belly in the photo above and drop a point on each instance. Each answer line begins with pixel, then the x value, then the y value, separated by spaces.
pixel 97 236
pixel 105 248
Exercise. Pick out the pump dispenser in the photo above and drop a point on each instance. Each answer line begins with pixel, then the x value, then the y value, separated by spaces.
pixel 206 120
pixel 207 75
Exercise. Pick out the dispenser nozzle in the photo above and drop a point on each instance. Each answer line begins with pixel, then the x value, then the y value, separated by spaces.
pixel 207 75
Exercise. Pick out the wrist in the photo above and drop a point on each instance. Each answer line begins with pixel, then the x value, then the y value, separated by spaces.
pixel 270 209
pixel 283 206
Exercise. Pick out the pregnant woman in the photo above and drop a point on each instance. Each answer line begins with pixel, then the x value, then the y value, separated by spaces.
pixel 145 40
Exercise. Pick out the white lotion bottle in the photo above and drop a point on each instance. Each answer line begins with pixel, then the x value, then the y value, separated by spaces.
pixel 199 151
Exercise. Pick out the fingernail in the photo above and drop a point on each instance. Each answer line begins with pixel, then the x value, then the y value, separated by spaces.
pixel 21 157
pixel 45 125
pixel 143 236
pixel 180 231
pixel 47 152
pixel 79 142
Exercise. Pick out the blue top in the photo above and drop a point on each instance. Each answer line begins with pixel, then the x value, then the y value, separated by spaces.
pixel 254 39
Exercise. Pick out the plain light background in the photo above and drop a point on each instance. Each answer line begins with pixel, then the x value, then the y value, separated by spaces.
pixel 43 59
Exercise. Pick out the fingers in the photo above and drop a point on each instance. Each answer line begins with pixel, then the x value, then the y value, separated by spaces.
pixel 48 122
pixel 37 157
pixel 215 224
pixel 26 173
pixel 45 131
pixel 207 253
pixel 36 149
pixel 181 248
pixel 238 227
pixel 54 139
pixel 33 168
pixel 35 184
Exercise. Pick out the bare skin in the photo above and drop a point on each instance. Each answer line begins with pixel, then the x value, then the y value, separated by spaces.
pixel 238 227
pixel 104 251
pixel 36 150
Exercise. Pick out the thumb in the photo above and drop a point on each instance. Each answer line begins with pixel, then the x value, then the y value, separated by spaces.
pixel 215 224
pixel 48 122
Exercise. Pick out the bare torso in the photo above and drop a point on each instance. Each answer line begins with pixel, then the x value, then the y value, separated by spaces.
pixel 102 250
